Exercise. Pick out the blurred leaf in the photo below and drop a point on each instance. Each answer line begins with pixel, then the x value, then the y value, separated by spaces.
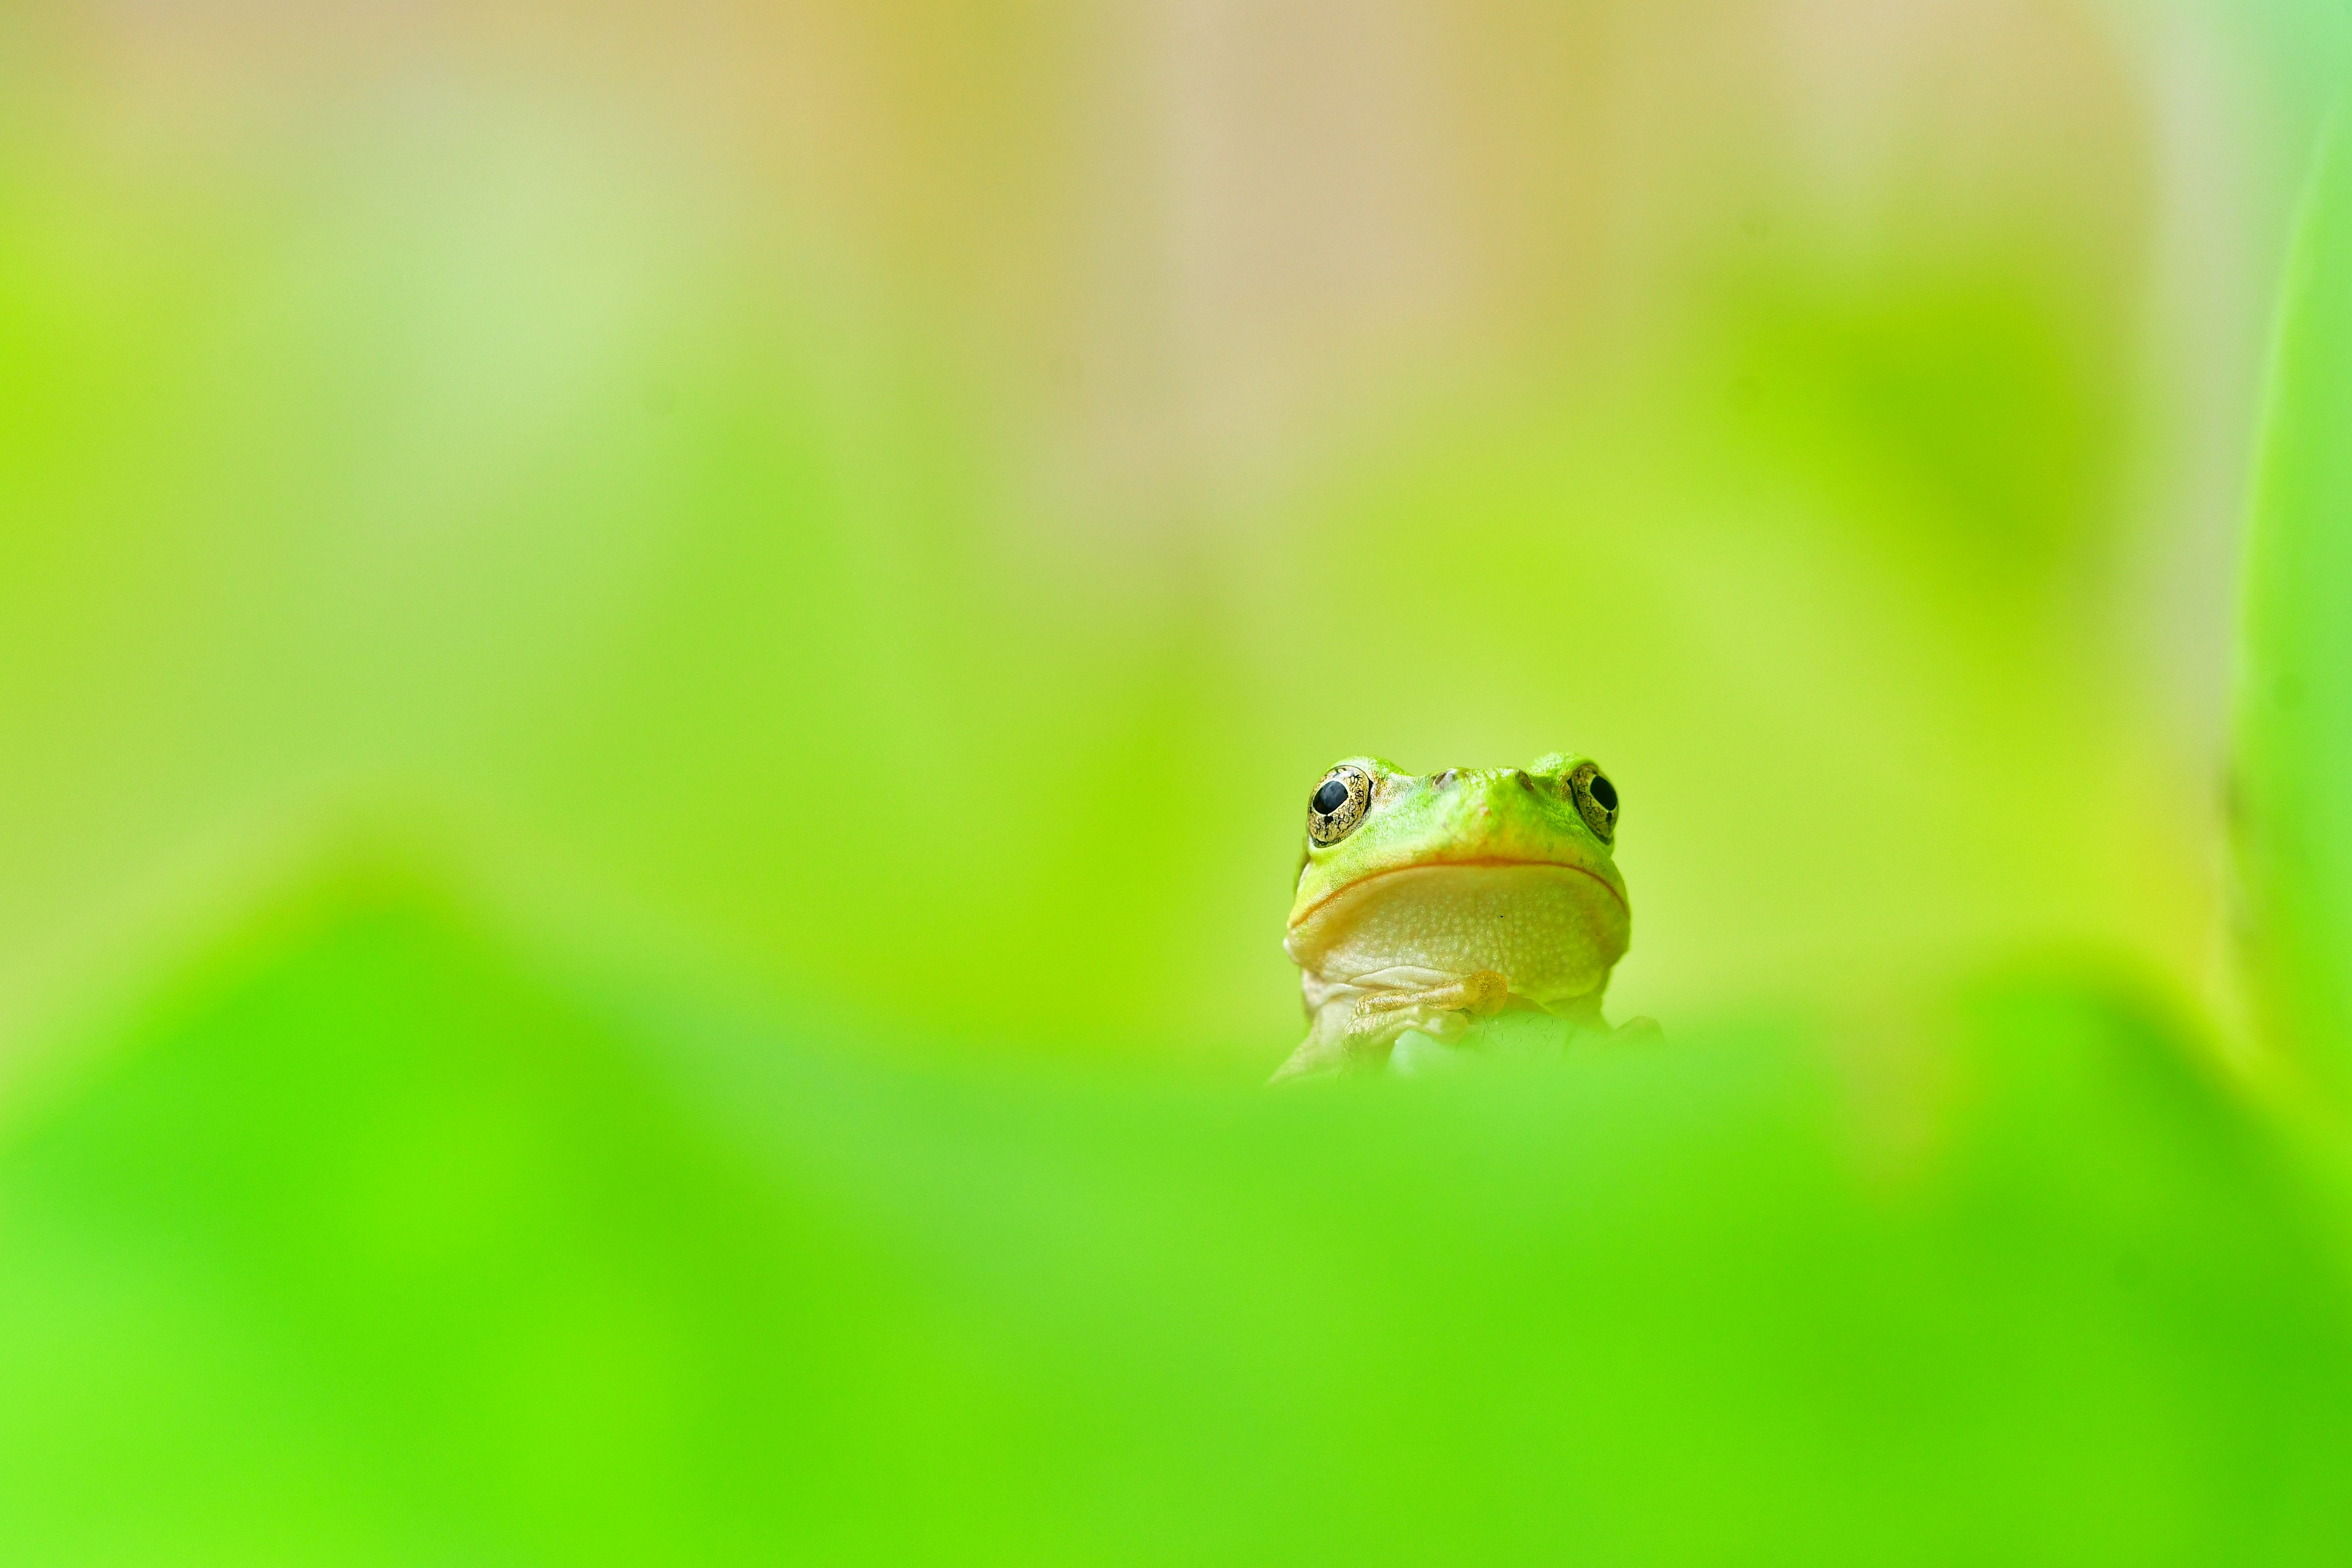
pixel 2292 781
pixel 375 1246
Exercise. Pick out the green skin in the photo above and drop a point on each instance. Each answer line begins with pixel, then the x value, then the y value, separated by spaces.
pixel 1470 912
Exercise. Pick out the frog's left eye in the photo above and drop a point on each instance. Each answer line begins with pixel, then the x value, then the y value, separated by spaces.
pixel 1596 800
pixel 1338 804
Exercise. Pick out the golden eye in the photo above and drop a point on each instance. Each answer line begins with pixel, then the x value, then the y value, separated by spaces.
pixel 1596 800
pixel 1338 804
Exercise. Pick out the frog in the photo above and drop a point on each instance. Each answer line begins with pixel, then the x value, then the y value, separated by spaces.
pixel 1463 914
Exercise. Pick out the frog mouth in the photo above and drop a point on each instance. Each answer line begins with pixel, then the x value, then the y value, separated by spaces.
pixel 1494 862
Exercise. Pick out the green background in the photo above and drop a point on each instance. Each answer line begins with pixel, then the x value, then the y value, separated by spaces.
pixel 657 675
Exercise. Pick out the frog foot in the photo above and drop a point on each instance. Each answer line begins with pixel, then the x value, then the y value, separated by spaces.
pixel 1481 995
pixel 1368 1029
pixel 1637 1031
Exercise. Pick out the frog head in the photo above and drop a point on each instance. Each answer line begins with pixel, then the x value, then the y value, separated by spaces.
pixel 1509 870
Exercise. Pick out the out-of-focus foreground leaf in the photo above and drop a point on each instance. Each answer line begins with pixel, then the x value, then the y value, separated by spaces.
pixel 2293 782
pixel 374 1244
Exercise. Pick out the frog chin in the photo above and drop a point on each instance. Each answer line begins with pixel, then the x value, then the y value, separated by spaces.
pixel 1554 931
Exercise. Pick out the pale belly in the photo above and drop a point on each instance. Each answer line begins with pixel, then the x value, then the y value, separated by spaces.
pixel 1551 930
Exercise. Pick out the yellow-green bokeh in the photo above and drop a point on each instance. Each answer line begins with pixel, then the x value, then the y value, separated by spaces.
pixel 903 502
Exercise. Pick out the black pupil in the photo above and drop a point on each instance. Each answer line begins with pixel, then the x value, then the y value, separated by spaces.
pixel 1330 797
pixel 1604 792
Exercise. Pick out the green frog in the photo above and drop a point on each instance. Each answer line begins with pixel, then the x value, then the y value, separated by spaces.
pixel 1463 913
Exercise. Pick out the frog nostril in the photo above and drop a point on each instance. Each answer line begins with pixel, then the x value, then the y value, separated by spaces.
pixel 1443 781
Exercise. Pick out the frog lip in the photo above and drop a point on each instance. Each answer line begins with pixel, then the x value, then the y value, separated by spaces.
pixel 1369 877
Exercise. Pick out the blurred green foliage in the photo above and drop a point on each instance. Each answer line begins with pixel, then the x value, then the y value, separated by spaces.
pixel 2294 832
pixel 373 1244
pixel 615 485
pixel 655 679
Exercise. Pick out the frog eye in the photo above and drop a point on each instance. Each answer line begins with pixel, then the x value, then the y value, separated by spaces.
pixel 1596 800
pixel 1338 804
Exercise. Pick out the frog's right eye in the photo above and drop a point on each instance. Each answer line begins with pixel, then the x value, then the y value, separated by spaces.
pixel 1338 804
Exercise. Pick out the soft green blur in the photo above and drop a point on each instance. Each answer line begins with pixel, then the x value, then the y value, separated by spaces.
pixel 2293 821
pixel 658 677
pixel 907 508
